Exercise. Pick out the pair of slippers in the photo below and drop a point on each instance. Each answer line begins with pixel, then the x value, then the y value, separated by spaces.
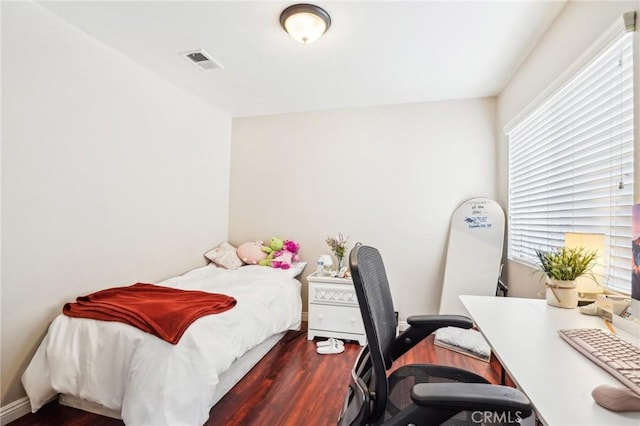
pixel 330 346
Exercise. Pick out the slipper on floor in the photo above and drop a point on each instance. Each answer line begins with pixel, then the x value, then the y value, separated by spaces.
pixel 331 341
pixel 334 348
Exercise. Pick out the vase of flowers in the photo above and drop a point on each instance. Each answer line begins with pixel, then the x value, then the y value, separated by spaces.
pixel 561 267
pixel 338 247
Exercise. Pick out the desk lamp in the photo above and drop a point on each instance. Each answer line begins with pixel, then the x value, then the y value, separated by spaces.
pixel 325 262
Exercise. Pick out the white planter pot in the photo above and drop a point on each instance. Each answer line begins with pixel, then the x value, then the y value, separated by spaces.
pixel 562 294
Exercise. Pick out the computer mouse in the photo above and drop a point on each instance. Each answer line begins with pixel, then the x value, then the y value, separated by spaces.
pixel 616 398
pixel 590 309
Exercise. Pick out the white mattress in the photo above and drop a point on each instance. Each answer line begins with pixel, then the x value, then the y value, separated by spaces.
pixel 150 381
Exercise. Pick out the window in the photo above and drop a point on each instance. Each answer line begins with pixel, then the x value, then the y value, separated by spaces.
pixel 571 165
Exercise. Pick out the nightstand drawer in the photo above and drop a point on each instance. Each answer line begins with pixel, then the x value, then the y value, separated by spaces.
pixel 333 294
pixel 335 318
pixel 333 309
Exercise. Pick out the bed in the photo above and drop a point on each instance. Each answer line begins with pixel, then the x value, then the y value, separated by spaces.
pixel 120 371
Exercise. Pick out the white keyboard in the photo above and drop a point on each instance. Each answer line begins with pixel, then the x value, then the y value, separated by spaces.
pixel 618 357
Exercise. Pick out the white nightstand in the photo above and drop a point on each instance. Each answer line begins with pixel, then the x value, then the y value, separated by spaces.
pixel 333 309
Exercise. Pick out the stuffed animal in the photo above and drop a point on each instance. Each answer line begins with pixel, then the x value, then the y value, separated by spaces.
pixel 280 253
pixel 286 256
pixel 272 250
pixel 282 260
pixel 274 245
pixel 292 247
pixel 251 252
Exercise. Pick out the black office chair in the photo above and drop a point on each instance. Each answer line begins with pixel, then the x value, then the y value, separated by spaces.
pixel 418 394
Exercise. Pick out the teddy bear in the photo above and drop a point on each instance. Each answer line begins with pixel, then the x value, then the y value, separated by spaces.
pixel 293 248
pixel 286 256
pixel 280 253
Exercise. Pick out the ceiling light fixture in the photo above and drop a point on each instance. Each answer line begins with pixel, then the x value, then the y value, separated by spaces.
pixel 305 22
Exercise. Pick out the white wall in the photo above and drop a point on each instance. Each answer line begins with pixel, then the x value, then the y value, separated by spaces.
pixel 578 26
pixel 110 175
pixel 387 176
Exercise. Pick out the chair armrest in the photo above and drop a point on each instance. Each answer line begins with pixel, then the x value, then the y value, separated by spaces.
pixel 438 321
pixel 420 326
pixel 485 398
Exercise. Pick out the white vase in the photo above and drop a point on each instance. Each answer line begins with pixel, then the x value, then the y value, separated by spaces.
pixel 561 293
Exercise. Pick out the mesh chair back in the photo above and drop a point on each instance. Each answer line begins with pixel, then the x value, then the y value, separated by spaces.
pixel 376 306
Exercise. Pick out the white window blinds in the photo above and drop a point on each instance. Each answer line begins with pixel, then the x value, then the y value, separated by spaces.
pixel 571 165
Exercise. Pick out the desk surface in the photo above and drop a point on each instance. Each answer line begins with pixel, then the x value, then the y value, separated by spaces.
pixel 557 378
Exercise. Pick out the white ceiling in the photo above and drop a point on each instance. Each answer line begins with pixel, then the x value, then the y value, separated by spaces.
pixel 375 53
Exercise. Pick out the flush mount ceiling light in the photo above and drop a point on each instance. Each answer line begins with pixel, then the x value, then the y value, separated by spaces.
pixel 305 22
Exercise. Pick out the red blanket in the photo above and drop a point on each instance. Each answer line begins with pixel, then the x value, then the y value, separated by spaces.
pixel 162 311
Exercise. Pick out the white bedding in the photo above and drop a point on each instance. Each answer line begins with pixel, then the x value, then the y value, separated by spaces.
pixel 150 381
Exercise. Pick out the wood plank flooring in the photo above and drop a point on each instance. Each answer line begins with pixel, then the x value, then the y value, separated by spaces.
pixel 292 385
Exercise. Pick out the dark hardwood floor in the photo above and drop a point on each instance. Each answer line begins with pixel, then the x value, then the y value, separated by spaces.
pixel 291 385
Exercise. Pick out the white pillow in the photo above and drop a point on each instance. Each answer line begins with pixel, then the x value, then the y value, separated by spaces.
pixel 295 269
pixel 218 251
pixel 224 255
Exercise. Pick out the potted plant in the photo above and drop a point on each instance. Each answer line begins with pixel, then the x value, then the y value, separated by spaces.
pixel 338 247
pixel 561 267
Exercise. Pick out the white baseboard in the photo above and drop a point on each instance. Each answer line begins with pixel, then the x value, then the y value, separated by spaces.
pixel 14 410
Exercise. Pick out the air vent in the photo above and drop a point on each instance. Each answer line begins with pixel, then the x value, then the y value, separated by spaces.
pixel 202 60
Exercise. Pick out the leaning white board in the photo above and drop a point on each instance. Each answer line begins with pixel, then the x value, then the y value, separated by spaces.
pixel 474 253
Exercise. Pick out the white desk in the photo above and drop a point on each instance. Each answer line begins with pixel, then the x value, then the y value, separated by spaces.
pixel 557 378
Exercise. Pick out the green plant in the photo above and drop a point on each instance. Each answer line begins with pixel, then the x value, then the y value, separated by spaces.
pixel 565 263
